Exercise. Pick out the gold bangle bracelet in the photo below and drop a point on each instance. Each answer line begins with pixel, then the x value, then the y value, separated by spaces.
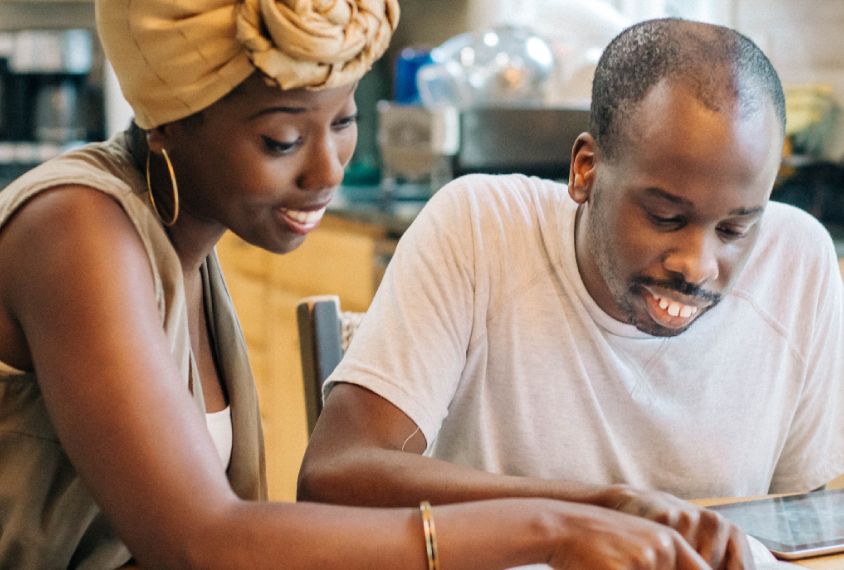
pixel 430 535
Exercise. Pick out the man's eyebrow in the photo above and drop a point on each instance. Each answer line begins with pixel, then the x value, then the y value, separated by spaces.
pixel 660 193
pixel 287 110
pixel 746 211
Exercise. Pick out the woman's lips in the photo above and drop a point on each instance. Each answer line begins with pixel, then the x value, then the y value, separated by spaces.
pixel 668 312
pixel 301 221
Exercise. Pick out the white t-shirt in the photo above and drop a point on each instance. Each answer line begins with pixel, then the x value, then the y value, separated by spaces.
pixel 483 333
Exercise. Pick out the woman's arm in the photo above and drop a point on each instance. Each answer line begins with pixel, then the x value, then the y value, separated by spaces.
pixel 77 280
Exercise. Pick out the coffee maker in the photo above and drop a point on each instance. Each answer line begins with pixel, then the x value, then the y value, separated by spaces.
pixel 47 101
pixel 45 92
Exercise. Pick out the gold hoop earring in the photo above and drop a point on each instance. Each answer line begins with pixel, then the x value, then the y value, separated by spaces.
pixel 175 190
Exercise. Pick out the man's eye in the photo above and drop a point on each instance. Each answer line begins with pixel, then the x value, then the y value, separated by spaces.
pixel 666 221
pixel 279 147
pixel 730 233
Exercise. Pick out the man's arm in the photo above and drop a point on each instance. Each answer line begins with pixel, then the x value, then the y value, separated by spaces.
pixel 365 451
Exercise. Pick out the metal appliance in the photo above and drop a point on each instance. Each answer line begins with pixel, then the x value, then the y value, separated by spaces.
pixel 47 100
pixel 421 146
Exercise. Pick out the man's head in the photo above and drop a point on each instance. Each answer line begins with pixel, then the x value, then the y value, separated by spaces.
pixel 684 145
pixel 722 66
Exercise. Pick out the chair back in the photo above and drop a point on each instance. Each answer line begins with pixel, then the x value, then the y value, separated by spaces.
pixel 324 335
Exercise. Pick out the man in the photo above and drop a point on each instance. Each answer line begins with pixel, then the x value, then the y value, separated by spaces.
pixel 656 328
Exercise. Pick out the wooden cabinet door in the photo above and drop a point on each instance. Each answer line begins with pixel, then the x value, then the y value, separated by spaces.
pixel 340 258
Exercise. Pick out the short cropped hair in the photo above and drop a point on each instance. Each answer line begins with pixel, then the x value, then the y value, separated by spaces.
pixel 722 66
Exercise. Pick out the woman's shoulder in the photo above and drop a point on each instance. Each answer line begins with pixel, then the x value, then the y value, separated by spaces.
pixel 89 181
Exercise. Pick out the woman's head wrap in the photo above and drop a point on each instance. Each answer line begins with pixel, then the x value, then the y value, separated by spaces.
pixel 174 58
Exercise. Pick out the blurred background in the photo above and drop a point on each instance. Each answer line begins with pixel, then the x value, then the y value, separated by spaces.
pixel 473 85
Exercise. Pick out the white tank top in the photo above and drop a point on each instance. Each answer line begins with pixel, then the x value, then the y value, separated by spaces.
pixel 220 428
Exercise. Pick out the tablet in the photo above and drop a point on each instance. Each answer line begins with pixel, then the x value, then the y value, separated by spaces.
pixel 796 526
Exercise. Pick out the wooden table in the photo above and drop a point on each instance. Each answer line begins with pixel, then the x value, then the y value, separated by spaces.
pixel 829 562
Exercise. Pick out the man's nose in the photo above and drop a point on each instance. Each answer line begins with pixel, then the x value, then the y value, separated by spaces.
pixel 323 168
pixel 694 256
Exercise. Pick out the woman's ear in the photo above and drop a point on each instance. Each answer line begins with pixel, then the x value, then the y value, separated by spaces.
pixel 582 170
pixel 159 138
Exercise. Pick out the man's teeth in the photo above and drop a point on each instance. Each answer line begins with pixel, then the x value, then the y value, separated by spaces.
pixel 676 309
pixel 304 217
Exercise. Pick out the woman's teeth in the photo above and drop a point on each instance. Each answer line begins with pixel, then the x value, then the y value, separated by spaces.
pixel 676 309
pixel 305 218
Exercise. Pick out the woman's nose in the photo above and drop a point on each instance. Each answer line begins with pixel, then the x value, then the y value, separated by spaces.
pixel 323 167
pixel 694 256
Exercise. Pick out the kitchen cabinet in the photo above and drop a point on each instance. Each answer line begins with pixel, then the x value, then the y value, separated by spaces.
pixel 342 257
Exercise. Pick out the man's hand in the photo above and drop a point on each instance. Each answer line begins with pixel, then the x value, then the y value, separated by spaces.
pixel 722 544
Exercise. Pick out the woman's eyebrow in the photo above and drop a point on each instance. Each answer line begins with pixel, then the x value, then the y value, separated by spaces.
pixel 287 110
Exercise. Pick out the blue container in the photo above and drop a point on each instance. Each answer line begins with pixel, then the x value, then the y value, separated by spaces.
pixel 408 63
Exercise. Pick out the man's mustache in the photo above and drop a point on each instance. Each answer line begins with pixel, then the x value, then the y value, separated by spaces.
pixel 677 284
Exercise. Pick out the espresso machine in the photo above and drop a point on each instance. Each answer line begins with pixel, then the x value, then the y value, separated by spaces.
pixel 421 146
pixel 48 102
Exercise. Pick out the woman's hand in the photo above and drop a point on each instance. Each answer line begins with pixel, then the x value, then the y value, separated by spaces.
pixel 720 543
pixel 613 541
pixel 505 533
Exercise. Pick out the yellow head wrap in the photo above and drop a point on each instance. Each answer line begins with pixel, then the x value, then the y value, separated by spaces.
pixel 174 58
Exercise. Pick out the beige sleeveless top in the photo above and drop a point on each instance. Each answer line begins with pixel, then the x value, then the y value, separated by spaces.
pixel 47 517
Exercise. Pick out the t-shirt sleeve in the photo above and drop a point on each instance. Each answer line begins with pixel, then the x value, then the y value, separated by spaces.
pixel 813 452
pixel 412 343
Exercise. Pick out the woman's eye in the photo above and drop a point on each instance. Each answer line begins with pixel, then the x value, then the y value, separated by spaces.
pixel 346 122
pixel 279 147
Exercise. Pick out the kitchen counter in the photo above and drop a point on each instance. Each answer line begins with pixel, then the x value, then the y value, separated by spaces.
pixel 371 205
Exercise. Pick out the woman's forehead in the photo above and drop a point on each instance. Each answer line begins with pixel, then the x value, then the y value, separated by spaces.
pixel 256 91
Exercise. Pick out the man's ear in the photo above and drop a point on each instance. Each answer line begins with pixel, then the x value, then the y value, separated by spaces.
pixel 582 170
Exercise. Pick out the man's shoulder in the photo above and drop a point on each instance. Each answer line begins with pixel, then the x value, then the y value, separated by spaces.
pixel 789 231
pixel 511 223
pixel 499 202
pixel 792 264
pixel 779 212
pixel 503 190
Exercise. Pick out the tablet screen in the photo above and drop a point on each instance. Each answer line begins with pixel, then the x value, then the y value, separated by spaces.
pixel 795 526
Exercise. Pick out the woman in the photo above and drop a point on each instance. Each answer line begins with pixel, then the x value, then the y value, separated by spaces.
pixel 129 423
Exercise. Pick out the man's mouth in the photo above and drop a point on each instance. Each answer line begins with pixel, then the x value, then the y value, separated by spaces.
pixel 301 221
pixel 676 309
pixel 668 312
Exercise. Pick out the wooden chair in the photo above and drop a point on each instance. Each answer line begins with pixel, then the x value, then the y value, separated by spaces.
pixel 324 335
